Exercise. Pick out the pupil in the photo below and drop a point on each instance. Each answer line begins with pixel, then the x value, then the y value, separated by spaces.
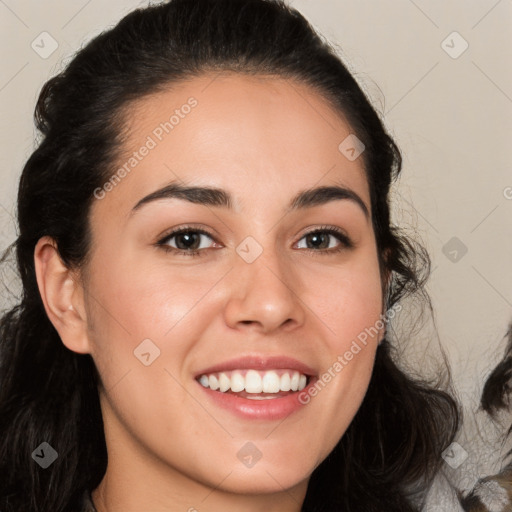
pixel 190 238
pixel 317 237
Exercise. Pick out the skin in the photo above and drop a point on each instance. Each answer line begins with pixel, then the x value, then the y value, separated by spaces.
pixel 170 448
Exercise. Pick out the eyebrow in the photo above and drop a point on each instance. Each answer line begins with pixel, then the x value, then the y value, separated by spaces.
pixel 217 197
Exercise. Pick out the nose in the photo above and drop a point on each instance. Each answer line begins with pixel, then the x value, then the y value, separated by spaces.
pixel 264 295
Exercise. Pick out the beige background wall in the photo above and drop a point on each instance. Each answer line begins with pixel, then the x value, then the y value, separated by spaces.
pixel 448 106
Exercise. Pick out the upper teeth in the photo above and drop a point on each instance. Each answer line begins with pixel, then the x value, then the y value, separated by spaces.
pixel 253 381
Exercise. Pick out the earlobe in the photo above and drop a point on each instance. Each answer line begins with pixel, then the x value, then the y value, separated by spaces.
pixel 62 296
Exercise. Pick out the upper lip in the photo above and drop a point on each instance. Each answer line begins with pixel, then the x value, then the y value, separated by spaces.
pixel 260 362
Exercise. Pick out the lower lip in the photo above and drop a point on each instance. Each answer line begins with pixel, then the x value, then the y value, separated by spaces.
pixel 269 409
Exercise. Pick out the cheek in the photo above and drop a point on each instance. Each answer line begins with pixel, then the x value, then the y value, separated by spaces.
pixel 348 302
pixel 350 309
pixel 131 302
pixel 138 300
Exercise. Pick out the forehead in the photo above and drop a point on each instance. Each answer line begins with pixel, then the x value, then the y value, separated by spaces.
pixel 251 135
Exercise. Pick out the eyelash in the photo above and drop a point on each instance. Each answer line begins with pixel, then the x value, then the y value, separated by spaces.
pixel 346 243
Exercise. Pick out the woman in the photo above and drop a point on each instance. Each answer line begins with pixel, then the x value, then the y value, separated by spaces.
pixel 208 266
pixel 495 492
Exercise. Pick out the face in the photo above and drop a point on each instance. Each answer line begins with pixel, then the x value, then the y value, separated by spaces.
pixel 232 351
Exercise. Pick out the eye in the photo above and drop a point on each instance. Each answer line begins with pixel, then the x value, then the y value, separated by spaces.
pixel 319 240
pixel 187 240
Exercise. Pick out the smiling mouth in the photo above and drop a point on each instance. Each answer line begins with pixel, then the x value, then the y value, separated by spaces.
pixel 255 384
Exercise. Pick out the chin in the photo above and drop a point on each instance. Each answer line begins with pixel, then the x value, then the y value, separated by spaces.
pixel 265 480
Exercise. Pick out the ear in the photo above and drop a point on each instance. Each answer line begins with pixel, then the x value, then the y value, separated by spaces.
pixel 62 296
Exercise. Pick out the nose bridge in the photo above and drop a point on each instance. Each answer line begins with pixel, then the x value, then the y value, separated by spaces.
pixel 262 289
